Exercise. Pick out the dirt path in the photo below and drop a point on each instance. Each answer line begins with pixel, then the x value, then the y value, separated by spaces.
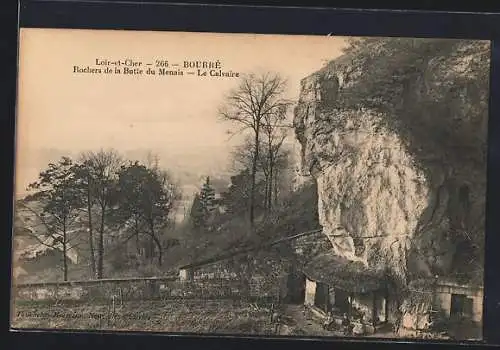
pixel 297 322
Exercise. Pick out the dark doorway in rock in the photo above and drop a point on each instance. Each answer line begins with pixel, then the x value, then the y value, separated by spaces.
pixel 461 307
pixel 321 298
pixel 296 287
pixel 342 303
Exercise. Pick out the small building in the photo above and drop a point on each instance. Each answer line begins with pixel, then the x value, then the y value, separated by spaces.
pixel 341 287
pixel 460 301
pixel 456 308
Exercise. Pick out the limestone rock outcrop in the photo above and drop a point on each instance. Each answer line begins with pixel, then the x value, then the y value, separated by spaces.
pixel 378 203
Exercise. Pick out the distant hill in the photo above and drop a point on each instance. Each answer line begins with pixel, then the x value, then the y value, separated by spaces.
pixel 188 168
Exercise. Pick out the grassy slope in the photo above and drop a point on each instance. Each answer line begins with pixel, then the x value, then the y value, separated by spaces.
pixel 158 316
pixel 297 214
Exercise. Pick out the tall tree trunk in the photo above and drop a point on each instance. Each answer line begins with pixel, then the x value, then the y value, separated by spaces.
pixel 137 245
pixel 276 187
pixel 137 241
pixel 157 242
pixel 271 177
pixel 64 249
pixel 91 231
pixel 266 192
pixel 160 253
pixel 253 179
pixel 151 249
pixel 100 252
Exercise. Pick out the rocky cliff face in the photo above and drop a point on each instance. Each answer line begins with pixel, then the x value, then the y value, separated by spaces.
pixel 377 202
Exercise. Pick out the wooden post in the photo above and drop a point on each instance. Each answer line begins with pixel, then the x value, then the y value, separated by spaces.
pixel 434 294
pixel 349 307
pixel 374 309
pixel 327 298
pixel 386 311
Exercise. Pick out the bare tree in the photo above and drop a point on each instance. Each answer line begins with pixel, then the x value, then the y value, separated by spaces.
pixel 102 168
pixel 243 156
pixel 275 133
pixel 271 162
pixel 248 105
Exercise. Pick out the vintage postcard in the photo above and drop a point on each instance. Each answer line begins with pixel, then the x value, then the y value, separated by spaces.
pixel 248 184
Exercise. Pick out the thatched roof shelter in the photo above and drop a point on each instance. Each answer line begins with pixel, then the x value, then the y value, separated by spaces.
pixel 344 274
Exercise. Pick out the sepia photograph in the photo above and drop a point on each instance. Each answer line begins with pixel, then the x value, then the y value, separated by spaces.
pixel 250 184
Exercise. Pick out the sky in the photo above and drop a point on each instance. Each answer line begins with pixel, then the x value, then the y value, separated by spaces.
pixel 63 113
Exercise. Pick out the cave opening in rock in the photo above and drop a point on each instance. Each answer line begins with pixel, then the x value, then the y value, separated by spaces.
pixel 461 307
pixel 296 286
pixel 321 298
pixel 342 302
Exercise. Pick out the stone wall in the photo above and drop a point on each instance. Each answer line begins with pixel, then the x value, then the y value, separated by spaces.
pixel 144 289
pixel 126 289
